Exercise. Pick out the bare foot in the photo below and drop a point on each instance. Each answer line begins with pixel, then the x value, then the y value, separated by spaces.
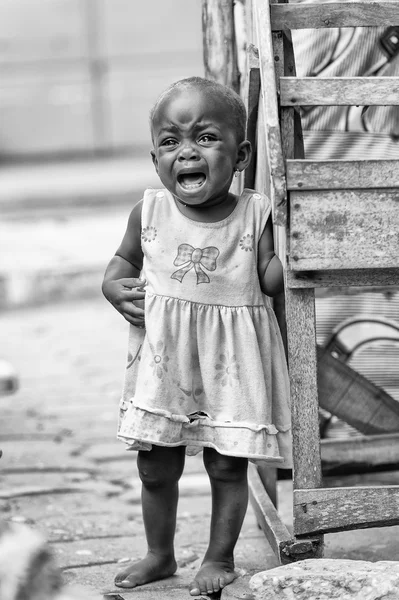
pixel 150 568
pixel 212 577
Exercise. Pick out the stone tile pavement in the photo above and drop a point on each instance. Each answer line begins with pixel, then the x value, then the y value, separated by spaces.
pixel 62 470
pixel 64 473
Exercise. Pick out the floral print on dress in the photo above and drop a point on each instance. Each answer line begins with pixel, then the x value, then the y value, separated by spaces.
pixel 189 258
pixel 227 370
pixel 247 242
pixel 160 360
pixel 132 359
pixel 195 392
pixel 149 234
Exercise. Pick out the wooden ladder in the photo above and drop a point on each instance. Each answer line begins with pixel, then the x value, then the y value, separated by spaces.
pixel 336 224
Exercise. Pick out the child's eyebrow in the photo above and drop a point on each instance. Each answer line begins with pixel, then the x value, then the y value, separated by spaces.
pixel 167 129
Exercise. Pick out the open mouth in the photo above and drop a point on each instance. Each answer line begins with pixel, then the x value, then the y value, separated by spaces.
pixel 191 181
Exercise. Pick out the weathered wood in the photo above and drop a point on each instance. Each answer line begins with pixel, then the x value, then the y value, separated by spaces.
pixel 346 280
pixel 341 174
pixel 353 398
pixel 220 52
pixel 268 518
pixel 251 97
pixel 301 336
pixel 240 40
pixel 338 509
pixel 268 477
pixel 339 91
pixel 344 229
pixel 334 14
pixel 270 111
pixel 362 452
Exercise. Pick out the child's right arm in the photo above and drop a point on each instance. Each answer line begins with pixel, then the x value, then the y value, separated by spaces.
pixel 122 286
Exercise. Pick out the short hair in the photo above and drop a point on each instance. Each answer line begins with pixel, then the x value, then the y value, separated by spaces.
pixel 236 113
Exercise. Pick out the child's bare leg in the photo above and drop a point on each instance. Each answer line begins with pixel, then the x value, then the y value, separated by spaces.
pixel 160 470
pixel 228 477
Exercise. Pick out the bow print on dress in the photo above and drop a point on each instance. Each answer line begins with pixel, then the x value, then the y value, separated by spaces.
pixel 195 258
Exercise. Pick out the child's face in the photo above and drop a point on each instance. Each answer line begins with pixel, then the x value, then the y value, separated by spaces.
pixel 195 147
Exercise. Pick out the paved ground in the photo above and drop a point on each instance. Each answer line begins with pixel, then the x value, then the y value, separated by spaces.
pixel 62 470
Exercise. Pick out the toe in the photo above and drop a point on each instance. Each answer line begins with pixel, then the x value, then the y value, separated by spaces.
pixel 207 587
pixel 194 589
pixel 124 583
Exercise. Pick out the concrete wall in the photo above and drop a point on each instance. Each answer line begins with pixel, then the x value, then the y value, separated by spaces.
pixel 81 75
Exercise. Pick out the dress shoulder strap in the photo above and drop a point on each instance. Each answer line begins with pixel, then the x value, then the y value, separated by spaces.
pixel 258 206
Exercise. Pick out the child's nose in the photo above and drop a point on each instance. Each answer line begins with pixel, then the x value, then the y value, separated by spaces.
pixel 188 151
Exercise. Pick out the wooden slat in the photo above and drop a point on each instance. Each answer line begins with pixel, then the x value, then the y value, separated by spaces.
pixel 339 91
pixel 334 14
pixel 338 509
pixel 268 477
pixel 344 229
pixel 341 174
pixel 268 518
pixel 270 110
pixel 251 95
pixel 220 54
pixel 347 280
pixel 300 313
pixel 350 396
pixel 361 452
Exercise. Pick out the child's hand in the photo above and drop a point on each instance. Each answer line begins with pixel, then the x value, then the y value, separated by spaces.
pixel 127 296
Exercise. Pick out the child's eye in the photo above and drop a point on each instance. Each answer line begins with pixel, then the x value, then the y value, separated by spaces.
pixel 207 137
pixel 170 142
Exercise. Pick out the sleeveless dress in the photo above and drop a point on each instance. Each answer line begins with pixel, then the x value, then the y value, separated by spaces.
pixel 209 368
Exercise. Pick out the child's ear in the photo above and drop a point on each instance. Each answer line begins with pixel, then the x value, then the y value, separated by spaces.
pixel 244 153
pixel 154 160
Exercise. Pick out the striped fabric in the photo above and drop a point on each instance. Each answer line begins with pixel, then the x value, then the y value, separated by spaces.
pixel 341 132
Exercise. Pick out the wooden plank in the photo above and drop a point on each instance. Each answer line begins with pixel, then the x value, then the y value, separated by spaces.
pixel 338 509
pixel 271 112
pixel 220 52
pixel 344 229
pixel 268 477
pixel 350 281
pixel 251 96
pixel 341 174
pixel 334 14
pixel 301 338
pixel 339 91
pixel 362 452
pixel 347 394
pixel 268 518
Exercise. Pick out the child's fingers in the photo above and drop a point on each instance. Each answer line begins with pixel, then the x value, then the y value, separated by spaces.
pixel 132 295
pixel 132 282
pixel 133 314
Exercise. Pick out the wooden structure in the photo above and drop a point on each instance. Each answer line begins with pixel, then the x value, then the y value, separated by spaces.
pixel 336 224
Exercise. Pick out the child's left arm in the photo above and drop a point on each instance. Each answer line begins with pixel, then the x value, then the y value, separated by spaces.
pixel 270 269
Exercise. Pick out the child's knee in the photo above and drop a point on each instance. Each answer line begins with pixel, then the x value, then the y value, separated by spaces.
pixel 226 468
pixel 158 473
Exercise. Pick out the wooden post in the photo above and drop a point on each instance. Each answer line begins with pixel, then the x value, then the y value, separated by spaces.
pixel 219 43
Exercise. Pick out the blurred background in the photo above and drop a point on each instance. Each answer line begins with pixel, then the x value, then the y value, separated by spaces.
pixel 78 76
